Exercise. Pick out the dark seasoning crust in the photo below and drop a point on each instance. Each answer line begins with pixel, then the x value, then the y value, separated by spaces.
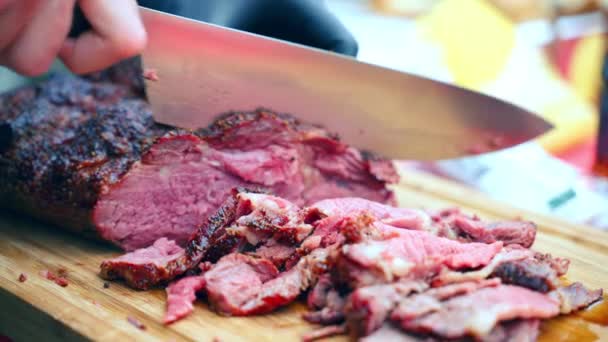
pixel 70 140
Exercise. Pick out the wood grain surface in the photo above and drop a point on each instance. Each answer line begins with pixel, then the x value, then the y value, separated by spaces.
pixel 40 310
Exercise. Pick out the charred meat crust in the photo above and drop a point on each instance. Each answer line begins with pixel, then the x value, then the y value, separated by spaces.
pixel 70 140
pixel 516 273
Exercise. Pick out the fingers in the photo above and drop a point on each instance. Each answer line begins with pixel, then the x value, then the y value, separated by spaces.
pixel 117 33
pixel 35 47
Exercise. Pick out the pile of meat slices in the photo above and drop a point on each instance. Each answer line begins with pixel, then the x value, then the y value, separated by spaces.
pixel 368 269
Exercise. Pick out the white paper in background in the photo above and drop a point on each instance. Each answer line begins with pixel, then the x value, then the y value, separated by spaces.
pixel 390 41
pixel 530 178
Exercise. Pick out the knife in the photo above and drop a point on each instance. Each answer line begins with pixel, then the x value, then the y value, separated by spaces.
pixel 202 70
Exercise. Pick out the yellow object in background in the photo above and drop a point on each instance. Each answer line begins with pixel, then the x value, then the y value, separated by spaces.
pixel 484 50
pixel 574 120
pixel 585 74
pixel 475 36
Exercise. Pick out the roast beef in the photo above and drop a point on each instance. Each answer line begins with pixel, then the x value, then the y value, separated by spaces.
pixel 370 269
pixel 180 296
pixel 575 297
pixel 86 154
pixel 477 313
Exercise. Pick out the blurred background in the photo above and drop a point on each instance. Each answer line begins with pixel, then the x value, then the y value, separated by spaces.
pixel 544 55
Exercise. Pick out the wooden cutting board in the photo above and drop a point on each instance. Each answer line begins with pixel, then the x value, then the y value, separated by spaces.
pixel 40 310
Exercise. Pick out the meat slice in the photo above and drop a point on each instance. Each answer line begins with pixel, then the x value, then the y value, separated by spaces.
pixel 367 308
pixel 326 303
pixel 449 223
pixel 86 154
pixel 147 267
pixel 397 217
pixel 421 304
pixel 165 260
pixel 528 272
pixel 506 255
pixel 240 285
pixel 262 218
pixel 247 218
pixel 411 255
pixel 517 266
pixel 477 313
pixel 180 296
pixel 235 279
pixel 278 253
pixel 575 297
pixel 510 232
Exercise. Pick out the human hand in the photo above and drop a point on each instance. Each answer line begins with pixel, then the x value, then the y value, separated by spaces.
pixel 34 32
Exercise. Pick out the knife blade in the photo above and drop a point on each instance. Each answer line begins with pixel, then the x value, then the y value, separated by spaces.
pixel 202 70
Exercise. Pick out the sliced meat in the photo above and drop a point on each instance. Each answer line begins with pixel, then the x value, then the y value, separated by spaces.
pixel 528 272
pixel 575 297
pixel 510 232
pixel 147 267
pixel 477 313
pixel 332 313
pixel 87 155
pixel 325 302
pixel 450 223
pixel 238 286
pixel 517 266
pixel 421 304
pixel 180 296
pixel 317 297
pixel 278 253
pixel 560 265
pixel 262 216
pixel 412 255
pixel 397 217
pixel 235 279
pixel 165 260
pixel 507 255
pixel 367 308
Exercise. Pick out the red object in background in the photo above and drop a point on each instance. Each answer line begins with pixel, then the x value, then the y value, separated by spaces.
pixel 562 52
pixel 5 339
pixel 582 156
